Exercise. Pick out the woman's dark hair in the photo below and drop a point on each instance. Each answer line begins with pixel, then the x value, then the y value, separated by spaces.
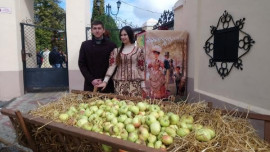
pixel 131 37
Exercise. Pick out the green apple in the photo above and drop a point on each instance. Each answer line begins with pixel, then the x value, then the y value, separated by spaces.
pixel 128 121
pixel 120 125
pixel 107 126
pixel 63 117
pixel 150 119
pixel 174 119
pixel 134 109
pixel 152 138
pixel 164 122
pixel 123 109
pixel 122 118
pixel 129 114
pixel 109 116
pixel 114 121
pixel 72 108
pixel 81 122
pixel 143 134
pixel 114 111
pixel 167 140
pixel 170 131
pixel 151 145
pixel 71 113
pixel 99 112
pixel 154 113
pixel 124 134
pixel 141 106
pixel 155 128
pixel 87 126
pixel 161 113
pixel 158 144
pixel 132 136
pixel 154 108
pixel 136 122
pixel 130 128
pixel 93 108
pixel 182 132
pixel 187 119
pixel 203 135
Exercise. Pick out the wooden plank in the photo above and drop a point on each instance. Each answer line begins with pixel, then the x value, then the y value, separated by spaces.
pixel 61 138
pixel 25 131
pixel 88 135
pixel 267 131
pixel 246 115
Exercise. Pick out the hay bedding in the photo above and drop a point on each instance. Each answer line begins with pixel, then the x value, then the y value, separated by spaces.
pixel 232 133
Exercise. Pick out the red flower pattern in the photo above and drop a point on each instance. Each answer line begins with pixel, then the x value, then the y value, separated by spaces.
pixel 112 60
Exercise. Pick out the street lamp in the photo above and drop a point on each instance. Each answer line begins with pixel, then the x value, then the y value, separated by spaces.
pixel 109 11
pixel 109 7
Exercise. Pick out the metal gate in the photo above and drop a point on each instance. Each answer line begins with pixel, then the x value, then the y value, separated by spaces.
pixel 44 57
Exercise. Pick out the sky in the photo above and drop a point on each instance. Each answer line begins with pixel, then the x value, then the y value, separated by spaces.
pixel 137 14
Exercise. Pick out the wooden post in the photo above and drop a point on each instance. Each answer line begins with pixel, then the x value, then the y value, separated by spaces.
pixel 95 89
pixel 25 131
pixel 267 131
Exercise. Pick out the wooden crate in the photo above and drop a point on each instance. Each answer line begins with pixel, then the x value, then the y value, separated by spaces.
pixel 61 137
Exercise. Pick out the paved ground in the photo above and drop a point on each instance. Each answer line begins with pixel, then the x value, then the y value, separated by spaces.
pixel 24 104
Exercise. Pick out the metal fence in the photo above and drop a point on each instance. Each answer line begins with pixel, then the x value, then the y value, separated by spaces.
pixel 43 47
pixel 44 56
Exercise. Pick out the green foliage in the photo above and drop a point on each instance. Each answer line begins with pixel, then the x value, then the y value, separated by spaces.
pixel 108 21
pixel 48 14
pixel 97 12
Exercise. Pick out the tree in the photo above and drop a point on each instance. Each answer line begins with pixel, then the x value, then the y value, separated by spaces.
pixel 109 22
pixel 48 14
pixel 97 11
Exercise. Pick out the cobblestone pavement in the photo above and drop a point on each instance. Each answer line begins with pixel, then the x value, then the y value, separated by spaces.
pixel 24 103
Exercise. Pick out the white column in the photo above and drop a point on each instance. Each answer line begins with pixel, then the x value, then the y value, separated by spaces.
pixel 78 17
pixel 11 70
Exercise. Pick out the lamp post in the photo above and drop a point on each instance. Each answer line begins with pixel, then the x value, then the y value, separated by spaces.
pixel 109 7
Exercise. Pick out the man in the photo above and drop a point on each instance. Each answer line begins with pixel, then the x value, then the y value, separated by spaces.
pixel 94 58
pixel 167 69
pixel 55 58
pixel 178 76
pixel 39 58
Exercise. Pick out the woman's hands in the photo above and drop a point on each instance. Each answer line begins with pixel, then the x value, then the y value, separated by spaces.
pixel 102 85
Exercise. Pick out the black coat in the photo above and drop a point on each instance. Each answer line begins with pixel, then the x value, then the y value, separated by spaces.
pixel 94 62
pixel 54 57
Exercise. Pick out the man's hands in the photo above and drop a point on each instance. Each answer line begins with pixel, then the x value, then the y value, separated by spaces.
pixel 102 85
pixel 96 82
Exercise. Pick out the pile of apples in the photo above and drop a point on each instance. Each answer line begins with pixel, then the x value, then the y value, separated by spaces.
pixel 140 123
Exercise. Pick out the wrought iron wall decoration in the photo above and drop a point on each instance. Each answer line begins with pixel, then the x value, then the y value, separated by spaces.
pixel 227 44
pixel 165 21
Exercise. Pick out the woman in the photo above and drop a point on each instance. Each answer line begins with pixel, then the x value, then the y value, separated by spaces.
pixel 129 77
pixel 156 77
pixel 46 62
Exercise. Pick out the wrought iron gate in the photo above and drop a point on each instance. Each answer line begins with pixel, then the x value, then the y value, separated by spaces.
pixel 44 56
